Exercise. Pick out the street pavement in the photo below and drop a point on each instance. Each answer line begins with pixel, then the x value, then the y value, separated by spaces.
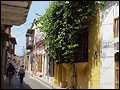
pixel 29 83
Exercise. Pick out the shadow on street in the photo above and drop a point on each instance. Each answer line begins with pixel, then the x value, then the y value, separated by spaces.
pixel 15 84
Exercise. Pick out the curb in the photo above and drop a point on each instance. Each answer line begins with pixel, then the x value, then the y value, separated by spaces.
pixel 52 86
pixel 43 82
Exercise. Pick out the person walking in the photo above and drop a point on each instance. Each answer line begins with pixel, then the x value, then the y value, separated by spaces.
pixel 10 72
pixel 21 74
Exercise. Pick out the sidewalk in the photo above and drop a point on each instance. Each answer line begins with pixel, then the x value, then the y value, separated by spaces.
pixel 15 83
pixel 46 82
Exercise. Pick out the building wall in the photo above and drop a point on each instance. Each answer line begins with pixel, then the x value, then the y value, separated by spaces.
pixel 41 51
pixel 30 59
pixel 4 39
pixel 94 64
pixel 87 74
pixel 3 60
pixel 108 14
pixel 46 67
pixel 45 63
pixel 2 70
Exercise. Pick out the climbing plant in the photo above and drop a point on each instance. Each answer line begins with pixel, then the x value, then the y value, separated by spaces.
pixel 62 23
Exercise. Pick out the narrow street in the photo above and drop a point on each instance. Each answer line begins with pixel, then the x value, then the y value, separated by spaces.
pixel 29 83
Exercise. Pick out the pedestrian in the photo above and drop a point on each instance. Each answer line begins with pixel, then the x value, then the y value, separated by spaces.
pixel 21 74
pixel 10 72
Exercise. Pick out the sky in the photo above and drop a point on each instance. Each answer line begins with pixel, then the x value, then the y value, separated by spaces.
pixel 19 32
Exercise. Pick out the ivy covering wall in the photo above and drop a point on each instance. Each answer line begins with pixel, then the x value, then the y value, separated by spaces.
pixel 63 22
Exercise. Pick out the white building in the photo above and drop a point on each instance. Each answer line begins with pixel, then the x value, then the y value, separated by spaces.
pixel 109 45
pixel 41 59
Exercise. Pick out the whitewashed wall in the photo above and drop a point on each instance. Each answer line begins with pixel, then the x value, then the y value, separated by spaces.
pixel 108 14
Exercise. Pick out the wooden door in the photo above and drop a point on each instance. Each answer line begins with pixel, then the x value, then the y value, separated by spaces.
pixel 117 70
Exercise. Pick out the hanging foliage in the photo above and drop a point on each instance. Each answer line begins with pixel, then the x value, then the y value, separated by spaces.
pixel 62 23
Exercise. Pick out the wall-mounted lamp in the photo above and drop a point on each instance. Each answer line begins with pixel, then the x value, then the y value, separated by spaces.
pixel 95 55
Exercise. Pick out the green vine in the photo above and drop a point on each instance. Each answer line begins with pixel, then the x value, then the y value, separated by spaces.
pixel 62 23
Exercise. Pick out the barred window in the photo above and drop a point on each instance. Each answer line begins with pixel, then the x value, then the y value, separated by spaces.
pixel 83 47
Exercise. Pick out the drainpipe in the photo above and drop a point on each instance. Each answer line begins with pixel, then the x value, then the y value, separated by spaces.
pixel 74 76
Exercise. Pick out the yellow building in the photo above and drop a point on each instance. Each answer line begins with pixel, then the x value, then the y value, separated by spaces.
pixel 87 75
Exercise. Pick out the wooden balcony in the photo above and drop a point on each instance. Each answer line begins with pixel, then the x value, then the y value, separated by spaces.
pixel 12 43
pixel 30 39
pixel 29 44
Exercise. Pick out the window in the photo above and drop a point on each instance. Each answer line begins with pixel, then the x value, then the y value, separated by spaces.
pixel 117 70
pixel 116 27
pixel 82 56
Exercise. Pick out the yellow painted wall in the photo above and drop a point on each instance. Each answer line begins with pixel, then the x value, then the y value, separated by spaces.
pixel 88 74
pixel 94 45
